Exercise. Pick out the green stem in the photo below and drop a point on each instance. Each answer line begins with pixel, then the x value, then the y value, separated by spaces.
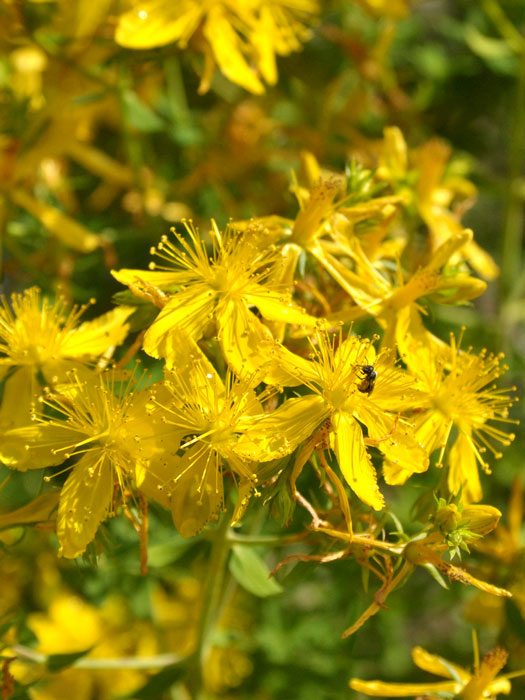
pixel 263 540
pixel 513 228
pixel 109 664
pixel 211 599
pixel 504 26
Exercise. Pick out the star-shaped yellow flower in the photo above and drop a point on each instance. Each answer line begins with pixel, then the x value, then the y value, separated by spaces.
pixel 104 420
pixel 340 394
pixel 196 290
pixel 40 336
pixel 459 390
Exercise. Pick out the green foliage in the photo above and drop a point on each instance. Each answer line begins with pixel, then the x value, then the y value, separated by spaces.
pixel 122 143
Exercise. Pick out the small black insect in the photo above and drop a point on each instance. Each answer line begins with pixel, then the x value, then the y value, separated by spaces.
pixel 368 382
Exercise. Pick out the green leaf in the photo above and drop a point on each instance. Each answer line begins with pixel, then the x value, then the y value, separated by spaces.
pixel 249 570
pixel 495 52
pixel 160 555
pixel 139 114
pixel 56 662
pixel 157 684
pixel 436 575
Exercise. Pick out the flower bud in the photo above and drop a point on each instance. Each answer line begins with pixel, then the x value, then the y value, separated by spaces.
pixel 480 519
pixel 447 518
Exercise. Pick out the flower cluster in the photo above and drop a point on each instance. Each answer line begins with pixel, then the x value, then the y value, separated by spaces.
pixel 240 340
pixel 265 372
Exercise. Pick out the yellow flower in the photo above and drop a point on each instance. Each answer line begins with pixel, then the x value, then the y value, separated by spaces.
pixel 44 335
pixel 38 335
pixel 207 418
pixel 194 289
pixel 43 86
pixel 324 230
pixel 392 297
pixel 505 545
pixel 106 422
pixel 241 37
pixel 482 683
pixel 69 625
pixel 341 394
pixel 434 193
pixel 366 266
pixel 459 391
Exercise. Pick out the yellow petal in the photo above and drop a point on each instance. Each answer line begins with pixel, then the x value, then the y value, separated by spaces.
pixel 38 446
pixel 481 261
pixel 354 461
pixel 463 470
pixel 156 278
pixel 279 307
pixel 96 161
pixel 245 490
pixel 283 274
pixel 227 48
pixel 451 290
pixel 84 504
pixel 157 23
pixel 20 391
pixel 278 433
pixel 394 474
pixel 308 223
pixel 62 226
pixel 262 39
pixel 432 430
pixel 395 440
pixel 36 511
pixel 187 359
pixel 394 160
pixel 94 338
pixel 394 388
pixel 435 664
pixel 379 689
pixel 250 348
pixel 446 250
pixel 197 494
pixel 411 336
pixel 500 685
pixel 154 478
pixel 366 293
pixel 189 310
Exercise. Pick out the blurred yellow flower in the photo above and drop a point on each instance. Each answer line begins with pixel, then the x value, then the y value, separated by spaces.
pixel 433 193
pixel 484 682
pixel 242 38
pixel 69 625
pixel 396 9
